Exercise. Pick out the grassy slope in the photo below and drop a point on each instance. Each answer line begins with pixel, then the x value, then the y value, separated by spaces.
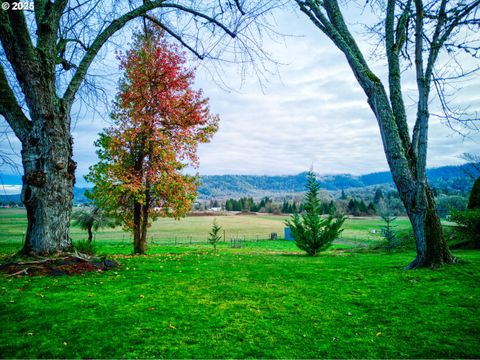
pixel 249 302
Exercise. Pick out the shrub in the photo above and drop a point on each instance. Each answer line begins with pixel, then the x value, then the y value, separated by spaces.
pixel 311 232
pixel 468 225
pixel 85 246
pixel 446 204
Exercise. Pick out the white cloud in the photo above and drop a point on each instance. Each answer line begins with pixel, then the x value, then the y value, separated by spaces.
pixel 10 189
pixel 314 113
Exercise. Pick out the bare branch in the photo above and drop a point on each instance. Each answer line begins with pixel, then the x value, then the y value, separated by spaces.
pixel 10 109
pixel 175 35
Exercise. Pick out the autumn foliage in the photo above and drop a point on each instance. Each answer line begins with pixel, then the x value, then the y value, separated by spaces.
pixel 158 122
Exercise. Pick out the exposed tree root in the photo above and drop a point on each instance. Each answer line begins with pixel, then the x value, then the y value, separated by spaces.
pixel 423 262
pixel 61 264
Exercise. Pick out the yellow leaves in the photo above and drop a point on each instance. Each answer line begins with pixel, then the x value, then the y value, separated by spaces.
pixel 141 296
pixel 172 327
pixel 378 333
pixel 65 343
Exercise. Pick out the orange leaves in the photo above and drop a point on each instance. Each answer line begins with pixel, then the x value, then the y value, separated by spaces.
pixel 158 122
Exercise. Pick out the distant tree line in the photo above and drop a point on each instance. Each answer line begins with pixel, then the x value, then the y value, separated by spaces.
pixel 248 204
pixel 356 207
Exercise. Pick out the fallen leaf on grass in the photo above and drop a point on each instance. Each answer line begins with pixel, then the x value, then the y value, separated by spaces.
pixel 171 326
pixel 379 333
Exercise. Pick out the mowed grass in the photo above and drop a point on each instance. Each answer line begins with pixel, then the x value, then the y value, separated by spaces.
pixel 266 300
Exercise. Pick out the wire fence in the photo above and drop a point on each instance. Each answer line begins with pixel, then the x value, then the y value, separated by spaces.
pixel 234 240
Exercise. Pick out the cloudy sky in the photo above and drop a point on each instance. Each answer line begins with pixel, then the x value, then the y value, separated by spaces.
pixel 310 113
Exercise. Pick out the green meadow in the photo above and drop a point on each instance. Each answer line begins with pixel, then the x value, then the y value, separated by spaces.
pixel 265 299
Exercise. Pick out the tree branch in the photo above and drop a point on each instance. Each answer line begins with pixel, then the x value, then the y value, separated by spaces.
pixel 116 25
pixel 20 53
pixel 394 40
pixel 199 14
pixel 10 109
pixel 175 35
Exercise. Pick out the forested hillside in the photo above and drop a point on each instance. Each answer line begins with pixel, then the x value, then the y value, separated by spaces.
pixel 444 179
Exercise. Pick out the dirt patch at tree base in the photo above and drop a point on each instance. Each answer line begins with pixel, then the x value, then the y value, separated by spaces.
pixel 65 265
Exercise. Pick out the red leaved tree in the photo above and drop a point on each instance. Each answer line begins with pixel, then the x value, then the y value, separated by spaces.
pixel 159 120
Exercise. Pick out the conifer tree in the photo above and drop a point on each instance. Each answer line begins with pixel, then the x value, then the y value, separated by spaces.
pixel 214 235
pixel 311 232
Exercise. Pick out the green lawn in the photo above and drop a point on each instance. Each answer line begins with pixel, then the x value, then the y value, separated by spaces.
pixel 266 300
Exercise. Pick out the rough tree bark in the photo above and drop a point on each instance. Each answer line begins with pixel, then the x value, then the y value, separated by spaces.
pixel 406 158
pixel 47 184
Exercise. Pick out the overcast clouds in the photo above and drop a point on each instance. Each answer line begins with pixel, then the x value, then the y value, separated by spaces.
pixel 315 114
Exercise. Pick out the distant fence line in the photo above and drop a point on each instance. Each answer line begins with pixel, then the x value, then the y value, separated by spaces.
pixel 195 238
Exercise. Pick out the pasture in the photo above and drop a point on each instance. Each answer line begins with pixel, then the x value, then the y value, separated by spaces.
pixel 358 231
pixel 264 300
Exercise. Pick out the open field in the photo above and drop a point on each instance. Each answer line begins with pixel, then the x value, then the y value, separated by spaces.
pixel 358 232
pixel 266 300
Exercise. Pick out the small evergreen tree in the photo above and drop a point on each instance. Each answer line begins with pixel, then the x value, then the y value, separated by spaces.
pixel 371 209
pixel 352 207
pixel 294 208
pixel 214 235
pixel 332 208
pixel 362 208
pixel 388 231
pixel 311 232
pixel 468 221
pixel 378 196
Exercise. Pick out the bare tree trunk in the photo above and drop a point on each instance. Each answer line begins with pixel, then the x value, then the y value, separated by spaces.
pixel 145 211
pixel 143 236
pixel 49 176
pixel 137 220
pixel 90 234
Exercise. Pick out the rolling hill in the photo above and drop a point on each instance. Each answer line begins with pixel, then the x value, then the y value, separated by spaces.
pixel 225 186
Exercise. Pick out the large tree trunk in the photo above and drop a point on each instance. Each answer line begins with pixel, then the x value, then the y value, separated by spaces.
pixel 49 176
pixel 432 249
pixel 415 193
